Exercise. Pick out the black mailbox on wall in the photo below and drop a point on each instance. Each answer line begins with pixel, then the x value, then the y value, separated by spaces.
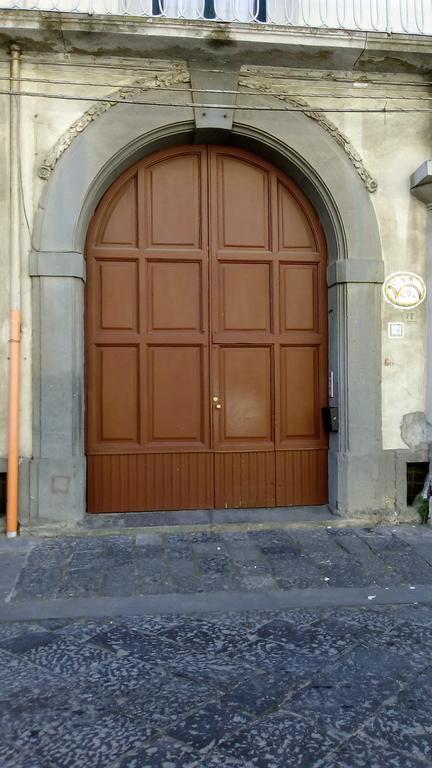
pixel 330 417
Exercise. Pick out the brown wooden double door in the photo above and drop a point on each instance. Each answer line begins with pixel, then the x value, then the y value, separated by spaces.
pixel 206 341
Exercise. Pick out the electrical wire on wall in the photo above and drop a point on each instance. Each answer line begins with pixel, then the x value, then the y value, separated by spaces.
pixel 352 80
pixel 254 108
pixel 226 92
pixel 346 82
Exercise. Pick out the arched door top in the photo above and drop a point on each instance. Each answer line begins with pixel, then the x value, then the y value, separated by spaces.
pixel 119 138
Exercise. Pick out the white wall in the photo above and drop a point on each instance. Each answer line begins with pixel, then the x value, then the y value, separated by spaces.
pixel 393 146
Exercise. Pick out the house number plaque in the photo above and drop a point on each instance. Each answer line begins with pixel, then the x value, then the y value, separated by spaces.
pixel 404 290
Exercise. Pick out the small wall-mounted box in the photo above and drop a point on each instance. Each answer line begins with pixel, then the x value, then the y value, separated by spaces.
pixel 330 417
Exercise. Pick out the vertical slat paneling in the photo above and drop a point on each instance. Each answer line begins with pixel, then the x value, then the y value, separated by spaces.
pixel 245 479
pixel 301 478
pixel 139 482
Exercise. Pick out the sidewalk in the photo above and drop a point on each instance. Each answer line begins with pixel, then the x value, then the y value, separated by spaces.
pixel 152 572
pixel 218 650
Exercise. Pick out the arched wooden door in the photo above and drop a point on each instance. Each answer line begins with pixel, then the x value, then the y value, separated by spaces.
pixel 206 337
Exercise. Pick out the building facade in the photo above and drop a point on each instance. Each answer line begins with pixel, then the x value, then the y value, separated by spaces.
pixel 210 201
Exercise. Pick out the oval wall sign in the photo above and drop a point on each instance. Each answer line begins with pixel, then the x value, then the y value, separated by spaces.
pixel 405 290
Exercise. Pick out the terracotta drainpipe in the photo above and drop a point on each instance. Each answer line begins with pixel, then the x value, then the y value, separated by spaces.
pixel 15 303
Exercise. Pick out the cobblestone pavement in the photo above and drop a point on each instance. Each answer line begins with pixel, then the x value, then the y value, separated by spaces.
pixel 187 686
pixel 334 688
pixel 272 560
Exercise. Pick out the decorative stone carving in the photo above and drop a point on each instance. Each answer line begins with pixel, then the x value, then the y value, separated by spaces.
pixel 180 75
pixel 266 85
pixel 173 76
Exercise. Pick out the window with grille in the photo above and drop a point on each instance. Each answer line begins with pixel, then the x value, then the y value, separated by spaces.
pixel 239 10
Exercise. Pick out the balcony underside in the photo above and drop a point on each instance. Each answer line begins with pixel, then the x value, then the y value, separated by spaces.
pixel 252 43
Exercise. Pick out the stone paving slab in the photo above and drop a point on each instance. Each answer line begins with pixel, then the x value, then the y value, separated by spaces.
pixel 319 688
pixel 162 674
pixel 274 561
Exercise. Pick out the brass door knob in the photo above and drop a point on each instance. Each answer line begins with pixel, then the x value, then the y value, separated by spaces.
pixel 218 406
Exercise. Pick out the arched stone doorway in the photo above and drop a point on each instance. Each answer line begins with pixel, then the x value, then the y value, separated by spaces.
pixel 360 473
pixel 206 364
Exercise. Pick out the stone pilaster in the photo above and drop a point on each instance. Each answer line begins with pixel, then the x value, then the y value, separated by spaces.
pixel 421 187
pixel 57 472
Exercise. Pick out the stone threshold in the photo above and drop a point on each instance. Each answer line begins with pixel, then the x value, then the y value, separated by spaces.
pixel 208 517
pixel 215 520
pixel 55 531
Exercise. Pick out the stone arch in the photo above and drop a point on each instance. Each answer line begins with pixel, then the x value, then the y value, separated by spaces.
pixel 119 137
pixel 109 144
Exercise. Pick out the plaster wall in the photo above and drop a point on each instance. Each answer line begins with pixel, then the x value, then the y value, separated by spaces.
pixel 392 147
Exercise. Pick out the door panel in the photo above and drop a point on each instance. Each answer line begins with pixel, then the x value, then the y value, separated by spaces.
pixel 244 375
pixel 206 339
pixel 158 481
pixel 301 477
pixel 118 373
pixel 242 202
pixel 294 228
pixel 300 416
pixel 245 479
pixel 176 395
pixel 173 202
pixel 119 224
pixel 299 297
pixel 244 291
pixel 175 296
pixel 118 295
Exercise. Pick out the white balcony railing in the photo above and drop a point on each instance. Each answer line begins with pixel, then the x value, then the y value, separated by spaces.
pixel 399 16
